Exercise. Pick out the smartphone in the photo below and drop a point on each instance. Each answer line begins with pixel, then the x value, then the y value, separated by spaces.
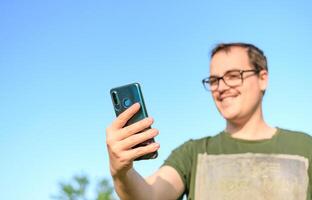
pixel 123 97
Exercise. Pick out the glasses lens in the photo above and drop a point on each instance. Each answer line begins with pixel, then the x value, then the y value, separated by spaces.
pixel 213 83
pixel 210 83
pixel 233 78
pixel 205 84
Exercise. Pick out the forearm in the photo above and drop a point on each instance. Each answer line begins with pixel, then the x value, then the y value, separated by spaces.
pixel 133 186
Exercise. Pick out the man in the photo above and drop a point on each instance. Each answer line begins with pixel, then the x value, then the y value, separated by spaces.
pixel 248 160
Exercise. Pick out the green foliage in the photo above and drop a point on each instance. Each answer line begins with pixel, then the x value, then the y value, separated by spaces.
pixel 104 190
pixel 77 189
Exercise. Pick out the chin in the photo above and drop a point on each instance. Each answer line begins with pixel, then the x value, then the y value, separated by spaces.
pixel 230 115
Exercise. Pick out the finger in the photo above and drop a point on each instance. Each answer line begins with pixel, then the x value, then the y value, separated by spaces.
pixel 138 138
pixel 135 128
pixel 122 119
pixel 141 151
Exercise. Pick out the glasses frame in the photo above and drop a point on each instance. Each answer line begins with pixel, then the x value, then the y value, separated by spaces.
pixel 206 83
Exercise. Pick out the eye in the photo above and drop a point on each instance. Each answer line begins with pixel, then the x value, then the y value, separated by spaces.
pixel 232 75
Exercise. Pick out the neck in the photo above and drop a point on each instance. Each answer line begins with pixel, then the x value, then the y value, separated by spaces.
pixel 250 128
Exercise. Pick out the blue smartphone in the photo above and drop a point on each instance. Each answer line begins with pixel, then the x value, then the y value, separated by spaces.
pixel 123 97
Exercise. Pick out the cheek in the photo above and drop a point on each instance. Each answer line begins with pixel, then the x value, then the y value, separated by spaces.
pixel 251 93
pixel 214 96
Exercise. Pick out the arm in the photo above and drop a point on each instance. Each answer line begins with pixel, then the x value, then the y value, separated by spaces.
pixel 164 184
pixel 167 183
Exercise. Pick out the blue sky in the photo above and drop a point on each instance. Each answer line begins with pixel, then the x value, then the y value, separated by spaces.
pixel 58 60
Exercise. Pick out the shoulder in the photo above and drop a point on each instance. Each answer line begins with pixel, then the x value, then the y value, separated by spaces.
pixel 199 143
pixel 202 144
pixel 297 139
pixel 297 135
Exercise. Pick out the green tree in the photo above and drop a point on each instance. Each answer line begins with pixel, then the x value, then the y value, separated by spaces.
pixel 77 189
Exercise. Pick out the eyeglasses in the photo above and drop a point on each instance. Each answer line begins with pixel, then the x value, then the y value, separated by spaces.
pixel 232 78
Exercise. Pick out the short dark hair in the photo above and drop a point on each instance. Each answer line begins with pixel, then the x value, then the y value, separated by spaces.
pixel 256 56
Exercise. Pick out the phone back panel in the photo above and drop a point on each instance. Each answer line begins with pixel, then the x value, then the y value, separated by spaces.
pixel 126 96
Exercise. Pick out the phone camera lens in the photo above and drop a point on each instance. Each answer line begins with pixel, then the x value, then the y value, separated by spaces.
pixel 127 102
pixel 115 98
pixel 117 107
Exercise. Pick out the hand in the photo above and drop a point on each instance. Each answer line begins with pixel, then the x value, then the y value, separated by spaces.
pixel 120 140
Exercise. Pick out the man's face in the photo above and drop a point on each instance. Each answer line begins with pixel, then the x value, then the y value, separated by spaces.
pixel 238 103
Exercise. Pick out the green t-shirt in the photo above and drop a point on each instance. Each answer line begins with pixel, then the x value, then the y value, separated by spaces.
pixel 225 168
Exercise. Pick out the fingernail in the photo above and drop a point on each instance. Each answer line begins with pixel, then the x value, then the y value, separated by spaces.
pixel 156 145
pixel 136 104
pixel 153 133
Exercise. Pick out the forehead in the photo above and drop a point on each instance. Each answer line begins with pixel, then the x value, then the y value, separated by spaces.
pixel 235 58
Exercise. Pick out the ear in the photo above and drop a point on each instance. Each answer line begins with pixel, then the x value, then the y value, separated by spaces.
pixel 263 79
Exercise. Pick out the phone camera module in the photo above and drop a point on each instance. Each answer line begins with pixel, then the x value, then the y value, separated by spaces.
pixel 115 98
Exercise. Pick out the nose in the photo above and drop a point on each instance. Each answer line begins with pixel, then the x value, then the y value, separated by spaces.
pixel 222 85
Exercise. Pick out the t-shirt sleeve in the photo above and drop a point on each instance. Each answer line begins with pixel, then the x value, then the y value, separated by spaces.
pixel 181 159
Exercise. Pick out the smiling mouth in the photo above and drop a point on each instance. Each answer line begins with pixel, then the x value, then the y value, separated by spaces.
pixel 226 98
